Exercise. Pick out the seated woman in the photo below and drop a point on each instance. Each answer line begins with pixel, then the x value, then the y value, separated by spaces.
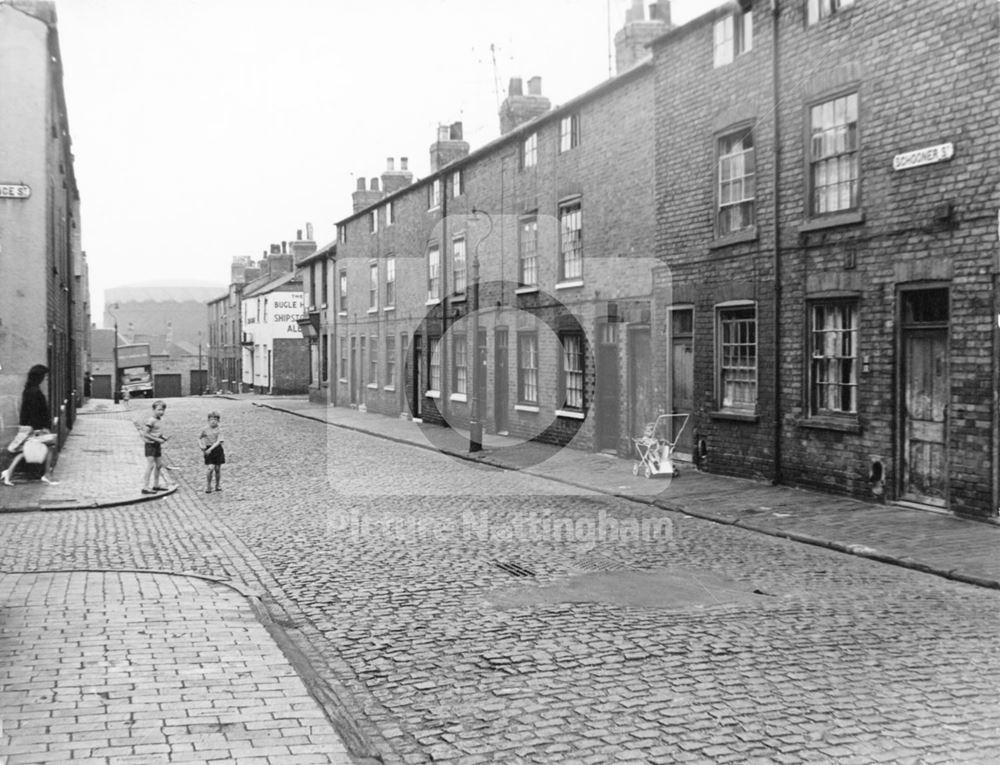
pixel 34 415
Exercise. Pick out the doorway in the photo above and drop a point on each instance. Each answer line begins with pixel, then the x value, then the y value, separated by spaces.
pixel 500 382
pixel 608 393
pixel 353 385
pixel 417 377
pixel 681 377
pixel 641 398
pixel 925 387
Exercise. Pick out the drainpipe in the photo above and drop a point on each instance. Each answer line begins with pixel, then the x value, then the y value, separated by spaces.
pixel 995 510
pixel 776 170
pixel 445 392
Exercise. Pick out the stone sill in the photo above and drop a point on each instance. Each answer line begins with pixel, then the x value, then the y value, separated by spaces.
pixel 832 221
pixel 749 235
pixel 840 424
pixel 735 416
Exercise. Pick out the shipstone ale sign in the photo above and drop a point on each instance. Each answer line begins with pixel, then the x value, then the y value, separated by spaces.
pixel 14 191
pixel 925 156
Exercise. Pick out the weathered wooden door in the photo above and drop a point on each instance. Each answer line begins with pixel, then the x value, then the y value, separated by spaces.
pixel 501 384
pixel 642 409
pixel 416 400
pixel 608 392
pixel 354 371
pixel 925 412
pixel 682 376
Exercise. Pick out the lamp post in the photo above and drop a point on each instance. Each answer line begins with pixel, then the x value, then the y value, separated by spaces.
pixel 475 424
pixel 115 387
pixel 201 385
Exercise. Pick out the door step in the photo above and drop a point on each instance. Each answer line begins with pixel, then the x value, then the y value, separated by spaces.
pixel 921 506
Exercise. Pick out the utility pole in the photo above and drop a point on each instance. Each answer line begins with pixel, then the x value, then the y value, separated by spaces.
pixel 116 388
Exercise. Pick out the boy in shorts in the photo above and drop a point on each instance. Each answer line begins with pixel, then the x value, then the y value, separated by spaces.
pixel 210 441
pixel 153 440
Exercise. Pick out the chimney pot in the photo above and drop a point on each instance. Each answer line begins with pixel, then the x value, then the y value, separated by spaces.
pixel 298 234
pixel 374 184
pixel 535 86
pixel 284 247
pixel 389 164
pixel 309 231
pixel 403 162
pixel 456 131
pixel 515 88
pixel 361 184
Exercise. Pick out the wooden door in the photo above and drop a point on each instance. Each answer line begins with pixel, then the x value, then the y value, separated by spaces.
pixel 416 400
pixel 925 410
pixel 481 359
pixel 608 393
pixel 682 377
pixel 353 384
pixel 641 398
pixel 501 383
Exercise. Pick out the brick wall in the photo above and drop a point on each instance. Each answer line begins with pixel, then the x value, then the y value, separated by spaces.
pixel 290 361
pixel 609 171
pixel 697 104
pixel 923 77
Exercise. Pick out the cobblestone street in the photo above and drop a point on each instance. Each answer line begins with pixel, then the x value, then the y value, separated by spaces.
pixel 461 613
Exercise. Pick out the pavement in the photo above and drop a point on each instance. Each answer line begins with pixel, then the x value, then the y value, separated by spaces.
pixel 135 666
pixel 154 666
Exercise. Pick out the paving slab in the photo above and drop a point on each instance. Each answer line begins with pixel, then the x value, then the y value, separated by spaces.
pixel 147 668
pixel 101 464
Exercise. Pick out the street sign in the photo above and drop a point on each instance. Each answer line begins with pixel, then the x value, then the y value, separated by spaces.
pixel 926 156
pixel 14 191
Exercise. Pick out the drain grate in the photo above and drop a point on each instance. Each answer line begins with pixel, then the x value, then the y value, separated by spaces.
pixel 514 569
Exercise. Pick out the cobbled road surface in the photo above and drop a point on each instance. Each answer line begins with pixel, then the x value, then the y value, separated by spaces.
pixel 471 615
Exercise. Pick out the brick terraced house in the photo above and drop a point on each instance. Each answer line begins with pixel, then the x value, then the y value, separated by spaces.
pixel 826 197
pixel 555 217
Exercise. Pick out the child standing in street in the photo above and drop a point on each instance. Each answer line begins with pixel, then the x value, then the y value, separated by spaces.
pixel 210 441
pixel 153 440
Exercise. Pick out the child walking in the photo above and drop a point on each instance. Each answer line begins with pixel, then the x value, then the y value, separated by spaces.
pixel 210 441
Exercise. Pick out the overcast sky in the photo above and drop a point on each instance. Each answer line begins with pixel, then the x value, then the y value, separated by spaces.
pixel 207 129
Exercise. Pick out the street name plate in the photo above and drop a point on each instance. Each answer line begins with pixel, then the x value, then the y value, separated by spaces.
pixel 925 156
pixel 14 191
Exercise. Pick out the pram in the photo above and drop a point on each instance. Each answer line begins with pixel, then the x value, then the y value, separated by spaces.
pixel 655 446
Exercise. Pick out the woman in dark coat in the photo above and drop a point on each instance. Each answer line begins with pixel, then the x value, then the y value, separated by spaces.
pixel 35 415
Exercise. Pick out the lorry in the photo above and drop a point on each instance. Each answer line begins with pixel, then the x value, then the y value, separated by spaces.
pixel 135 370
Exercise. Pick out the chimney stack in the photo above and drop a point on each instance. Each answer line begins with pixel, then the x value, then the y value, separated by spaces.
pixel 448 147
pixel 363 198
pixel 518 108
pixel 393 180
pixel 632 39
pixel 303 248
pixel 238 271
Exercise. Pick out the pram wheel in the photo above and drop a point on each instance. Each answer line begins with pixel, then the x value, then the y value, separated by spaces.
pixel 635 468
